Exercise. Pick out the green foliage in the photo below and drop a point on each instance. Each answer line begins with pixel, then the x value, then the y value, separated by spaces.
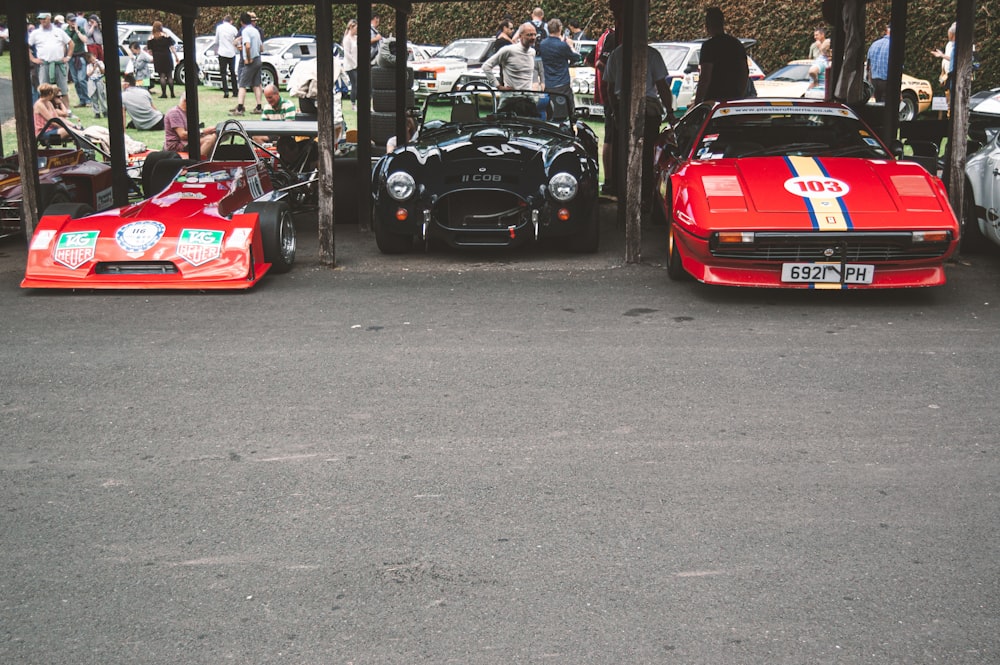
pixel 783 28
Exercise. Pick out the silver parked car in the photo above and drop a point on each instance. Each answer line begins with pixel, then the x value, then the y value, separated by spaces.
pixel 981 217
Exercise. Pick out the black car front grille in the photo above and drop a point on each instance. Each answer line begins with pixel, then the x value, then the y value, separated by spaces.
pixel 480 209
pixel 135 268
pixel 825 246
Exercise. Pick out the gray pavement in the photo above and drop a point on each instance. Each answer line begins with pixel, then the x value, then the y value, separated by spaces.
pixel 500 457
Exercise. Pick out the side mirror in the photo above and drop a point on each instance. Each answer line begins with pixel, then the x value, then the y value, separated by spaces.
pixel 896 148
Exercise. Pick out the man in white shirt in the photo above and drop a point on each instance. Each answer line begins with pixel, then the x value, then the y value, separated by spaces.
pixel 250 71
pixel 520 69
pixel 52 51
pixel 225 48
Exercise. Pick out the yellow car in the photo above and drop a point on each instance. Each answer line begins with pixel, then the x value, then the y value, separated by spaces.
pixel 793 80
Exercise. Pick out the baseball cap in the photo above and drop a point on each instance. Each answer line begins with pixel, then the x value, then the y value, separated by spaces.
pixel 44 15
pixel 59 18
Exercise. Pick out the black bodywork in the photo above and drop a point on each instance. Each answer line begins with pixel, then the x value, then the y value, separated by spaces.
pixel 490 168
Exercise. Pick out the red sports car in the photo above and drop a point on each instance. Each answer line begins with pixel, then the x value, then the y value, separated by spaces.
pixel 219 224
pixel 797 194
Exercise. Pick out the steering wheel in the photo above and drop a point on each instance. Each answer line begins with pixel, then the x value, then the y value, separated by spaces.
pixel 477 85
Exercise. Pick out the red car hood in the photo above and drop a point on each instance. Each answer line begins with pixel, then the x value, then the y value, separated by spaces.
pixel 835 193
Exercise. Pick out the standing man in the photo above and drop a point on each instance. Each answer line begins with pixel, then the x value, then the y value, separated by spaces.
pixel 53 50
pixel 849 87
pixel 175 130
pixel 557 56
pixel 250 71
pixel 538 20
pixel 518 66
pixel 376 37
pixel 606 43
pixel 576 33
pixel 138 103
pixel 225 48
pixel 659 104
pixel 878 64
pixel 78 60
pixel 724 72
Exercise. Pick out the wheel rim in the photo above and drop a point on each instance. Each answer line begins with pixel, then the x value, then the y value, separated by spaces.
pixel 267 78
pixel 907 109
pixel 286 238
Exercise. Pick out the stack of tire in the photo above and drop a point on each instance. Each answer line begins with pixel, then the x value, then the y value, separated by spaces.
pixel 384 93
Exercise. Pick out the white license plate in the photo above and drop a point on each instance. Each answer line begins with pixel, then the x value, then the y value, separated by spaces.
pixel 827 273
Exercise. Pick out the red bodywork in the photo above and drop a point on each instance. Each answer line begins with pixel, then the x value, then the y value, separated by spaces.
pixel 186 237
pixel 795 209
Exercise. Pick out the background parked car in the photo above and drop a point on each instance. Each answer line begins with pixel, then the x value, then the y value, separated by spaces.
pixel 683 61
pixel 792 80
pixel 981 217
pixel 138 32
pixel 442 72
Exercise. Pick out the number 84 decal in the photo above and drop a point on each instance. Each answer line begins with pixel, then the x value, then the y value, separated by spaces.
pixel 499 150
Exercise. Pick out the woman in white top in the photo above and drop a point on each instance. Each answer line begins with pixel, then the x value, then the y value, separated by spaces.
pixel 350 45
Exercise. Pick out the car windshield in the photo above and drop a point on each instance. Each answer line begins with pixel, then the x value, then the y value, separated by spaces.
pixel 790 73
pixel 493 107
pixel 759 131
pixel 675 56
pixel 465 49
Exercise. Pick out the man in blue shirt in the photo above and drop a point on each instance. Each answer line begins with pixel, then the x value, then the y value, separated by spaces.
pixel 878 64
pixel 556 57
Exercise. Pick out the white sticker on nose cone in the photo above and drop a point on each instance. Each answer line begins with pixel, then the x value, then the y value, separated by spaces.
pixel 812 187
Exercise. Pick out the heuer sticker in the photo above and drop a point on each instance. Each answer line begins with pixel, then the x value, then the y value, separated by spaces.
pixel 198 246
pixel 76 248
pixel 138 237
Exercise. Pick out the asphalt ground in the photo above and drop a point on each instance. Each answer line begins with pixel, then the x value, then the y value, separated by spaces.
pixel 499 457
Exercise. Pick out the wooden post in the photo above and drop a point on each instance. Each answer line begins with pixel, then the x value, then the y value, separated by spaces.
pixel 116 123
pixel 324 130
pixel 364 96
pixel 897 50
pixel 24 117
pixel 631 113
pixel 965 16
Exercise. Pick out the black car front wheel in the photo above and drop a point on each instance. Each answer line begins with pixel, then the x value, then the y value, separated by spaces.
pixel 388 242
pixel 675 269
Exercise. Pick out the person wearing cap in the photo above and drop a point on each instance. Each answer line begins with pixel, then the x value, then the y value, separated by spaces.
pixel 52 50
pixel 78 60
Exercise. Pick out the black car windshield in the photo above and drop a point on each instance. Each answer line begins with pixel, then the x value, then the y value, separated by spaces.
pixel 466 49
pixel 759 131
pixel 484 105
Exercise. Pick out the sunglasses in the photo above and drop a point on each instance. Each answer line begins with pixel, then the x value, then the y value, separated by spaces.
pixel 58 95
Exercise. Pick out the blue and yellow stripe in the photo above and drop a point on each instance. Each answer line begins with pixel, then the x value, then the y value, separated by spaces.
pixel 827 213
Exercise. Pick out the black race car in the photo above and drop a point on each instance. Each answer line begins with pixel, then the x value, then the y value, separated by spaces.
pixel 490 168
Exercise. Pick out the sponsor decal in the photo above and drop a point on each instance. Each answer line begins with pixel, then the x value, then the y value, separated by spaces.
pixel 105 199
pixel 198 246
pixel 138 237
pixel 784 108
pixel 42 239
pixel 253 181
pixel 822 194
pixel 499 150
pixel 193 195
pixel 76 248
pixel 238 237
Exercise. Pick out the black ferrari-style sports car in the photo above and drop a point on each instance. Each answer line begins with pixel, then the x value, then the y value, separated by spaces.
pixel 490 168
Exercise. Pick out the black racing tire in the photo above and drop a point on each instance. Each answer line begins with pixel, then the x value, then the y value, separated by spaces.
pixel 149 164
pixel 268 76
pixel 675 270
pixel 384 78
pixel 388 242
pixel 277 231
pixel 385 100
pixel 164 172
pixel 972 238
pixel 908 107
pixel 74 210
pixel 383 126
pixel 589 239
pixel 50 194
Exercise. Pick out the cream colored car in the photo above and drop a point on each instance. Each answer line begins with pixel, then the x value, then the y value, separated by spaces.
pixel 793 80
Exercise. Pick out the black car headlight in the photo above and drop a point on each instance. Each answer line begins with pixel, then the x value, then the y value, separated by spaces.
pixel 563 186
pixel 400 185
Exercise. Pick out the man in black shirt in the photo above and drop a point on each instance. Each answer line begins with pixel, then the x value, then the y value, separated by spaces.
pixel 724 71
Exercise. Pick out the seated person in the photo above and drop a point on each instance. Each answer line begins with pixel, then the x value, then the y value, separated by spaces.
pixel 48 107
pixel 411 127
pixel 175 130
pixel 138 103
pixel 519 105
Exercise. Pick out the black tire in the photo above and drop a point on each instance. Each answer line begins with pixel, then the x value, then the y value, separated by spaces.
pixel 908 107
pixel 50 194
pixel 74 210
pixel 388 242
pixel 384 78
pixel 179 73
pixel 589 239
pixel 384 101
pixel 278 233
pixel 675 271
pixel 163 174
pixel 972 239
pixel 383 126
pixel 149 164
pixel 268 76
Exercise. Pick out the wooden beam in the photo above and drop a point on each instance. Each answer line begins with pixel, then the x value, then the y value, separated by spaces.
pixel 24 117
pixel 324 125
pixel 965 15
pixel 633 101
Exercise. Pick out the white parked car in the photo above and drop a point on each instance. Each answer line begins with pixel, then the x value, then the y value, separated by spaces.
pixel 981 217
pixel 683 60
pixel 278 59
pixel 138 32
pixel 456 63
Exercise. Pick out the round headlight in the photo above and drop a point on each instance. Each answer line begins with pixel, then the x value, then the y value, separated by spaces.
pixel 562 186
pixel 576 86
pixel 400 185
pixel 585 87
